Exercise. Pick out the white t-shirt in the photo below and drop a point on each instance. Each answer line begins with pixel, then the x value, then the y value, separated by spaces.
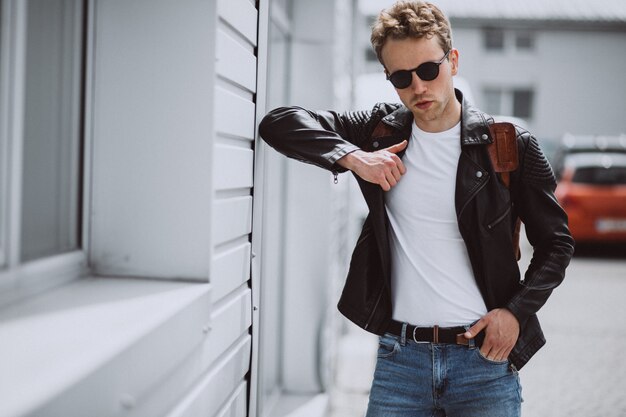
pixel 431 276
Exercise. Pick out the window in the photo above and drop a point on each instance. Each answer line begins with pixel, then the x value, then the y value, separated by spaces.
pixel 493 39
pixel 522 103
pixel 614 175
pixel 516 102
pixel 524 41
pixel 274 211
pixel 52 122
pixel 501 40
pixel 41 118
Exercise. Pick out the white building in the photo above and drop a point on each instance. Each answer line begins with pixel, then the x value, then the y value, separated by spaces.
pixel 558 64
pixel 156 259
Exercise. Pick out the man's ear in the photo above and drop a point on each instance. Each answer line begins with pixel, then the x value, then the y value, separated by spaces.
pixel 454 61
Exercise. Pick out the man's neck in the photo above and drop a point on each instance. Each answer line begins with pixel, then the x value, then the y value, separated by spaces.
pixel 448 119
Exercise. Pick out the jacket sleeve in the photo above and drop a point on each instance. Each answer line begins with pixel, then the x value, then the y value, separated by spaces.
pixel 319 138
pixel 546 228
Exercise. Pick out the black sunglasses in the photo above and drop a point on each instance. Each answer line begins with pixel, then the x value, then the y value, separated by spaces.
pixel 427 71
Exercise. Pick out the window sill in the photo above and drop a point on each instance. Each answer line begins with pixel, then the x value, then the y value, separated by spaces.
pixel 55 346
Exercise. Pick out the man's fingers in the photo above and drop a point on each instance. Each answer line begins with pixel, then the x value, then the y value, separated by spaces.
pixel 475 329
pixel 397 147
pixel 401 167
pixel 500 355
pixel 398 163
pixel 396 174
pixel 495 354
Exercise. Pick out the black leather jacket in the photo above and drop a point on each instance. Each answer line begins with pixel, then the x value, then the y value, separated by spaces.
pixel 486 212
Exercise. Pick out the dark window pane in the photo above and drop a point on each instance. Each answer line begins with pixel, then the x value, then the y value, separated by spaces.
pixel 600 175
pixel 522 103
pixel 524 40
pixel 494 39
pixel 52 120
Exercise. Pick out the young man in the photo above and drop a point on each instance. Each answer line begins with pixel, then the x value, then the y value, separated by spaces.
pixel 434 271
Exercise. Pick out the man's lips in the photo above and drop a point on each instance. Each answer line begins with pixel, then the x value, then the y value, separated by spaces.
pixel 424 104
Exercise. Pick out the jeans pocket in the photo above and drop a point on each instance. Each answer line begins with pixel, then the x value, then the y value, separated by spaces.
pixel 388 346
pixel 489 361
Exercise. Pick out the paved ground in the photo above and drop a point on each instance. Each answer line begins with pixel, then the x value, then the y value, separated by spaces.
pixel 581 372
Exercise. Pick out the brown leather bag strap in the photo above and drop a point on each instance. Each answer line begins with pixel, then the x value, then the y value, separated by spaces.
pixel 503 150
pixel 504 157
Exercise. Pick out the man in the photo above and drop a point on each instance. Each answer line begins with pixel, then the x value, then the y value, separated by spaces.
pixel 434 271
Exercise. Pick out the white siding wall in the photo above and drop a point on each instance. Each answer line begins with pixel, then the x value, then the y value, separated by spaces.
pixel 235 113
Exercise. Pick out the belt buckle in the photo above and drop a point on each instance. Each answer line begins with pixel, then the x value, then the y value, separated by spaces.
pixel 414 338
pixel 435 334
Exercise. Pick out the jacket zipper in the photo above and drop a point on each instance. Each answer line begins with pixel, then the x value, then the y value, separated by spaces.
pixel 369 319
pixel 499 219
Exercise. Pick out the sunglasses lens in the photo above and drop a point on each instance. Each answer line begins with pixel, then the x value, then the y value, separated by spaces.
pixel 401 79
pixel 428 71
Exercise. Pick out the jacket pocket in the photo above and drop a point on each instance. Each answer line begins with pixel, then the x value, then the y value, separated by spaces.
pixel 495 222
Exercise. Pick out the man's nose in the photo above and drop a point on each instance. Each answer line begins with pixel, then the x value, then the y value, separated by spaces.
pixel 417 84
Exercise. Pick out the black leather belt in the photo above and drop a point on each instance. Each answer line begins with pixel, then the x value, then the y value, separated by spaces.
pixel 451 335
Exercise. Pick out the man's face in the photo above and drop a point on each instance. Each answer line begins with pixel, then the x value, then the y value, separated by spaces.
pixel 432 103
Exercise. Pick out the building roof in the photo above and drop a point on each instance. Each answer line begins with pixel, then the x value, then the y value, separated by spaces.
pixel 610 11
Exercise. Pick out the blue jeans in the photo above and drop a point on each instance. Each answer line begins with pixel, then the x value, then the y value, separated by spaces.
pixel 437 380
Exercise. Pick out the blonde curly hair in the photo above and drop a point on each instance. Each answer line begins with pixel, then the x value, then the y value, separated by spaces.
pixel 411 19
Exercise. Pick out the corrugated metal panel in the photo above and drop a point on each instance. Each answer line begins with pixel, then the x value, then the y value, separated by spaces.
pixel 236 405
pixel 232 167
pixel 234 62
pixel 238 123
pixel 231 268
pixel 223 391
pixel 218 385
pixel 231 318
pixel 241 15
pixel 233 219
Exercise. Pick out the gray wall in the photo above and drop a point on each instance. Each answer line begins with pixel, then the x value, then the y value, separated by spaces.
pixel 579 77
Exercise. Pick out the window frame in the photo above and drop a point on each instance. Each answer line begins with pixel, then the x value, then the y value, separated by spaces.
pixel 510 40
pixel 517 94
pixel 507 100
pixel 5 27
pixel 530 36
pixel 487 35
pixel 19 280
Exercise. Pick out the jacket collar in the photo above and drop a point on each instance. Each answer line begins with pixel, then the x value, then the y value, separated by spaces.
pixel 474 126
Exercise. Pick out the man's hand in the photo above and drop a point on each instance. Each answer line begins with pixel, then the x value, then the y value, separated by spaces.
pixel 381 167
pixel 501 333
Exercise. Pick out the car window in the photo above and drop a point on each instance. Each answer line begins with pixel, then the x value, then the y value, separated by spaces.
pixel 600 175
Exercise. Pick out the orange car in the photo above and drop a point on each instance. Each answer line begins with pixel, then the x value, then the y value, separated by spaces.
pixel 592 190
